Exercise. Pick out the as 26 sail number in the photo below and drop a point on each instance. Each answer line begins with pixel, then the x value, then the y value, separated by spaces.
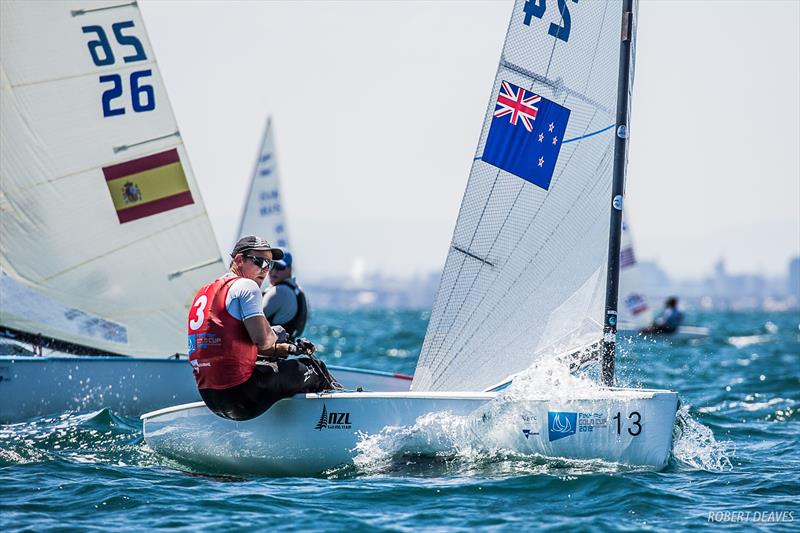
pixel 143 97
pixel 536 8
pixel 634 421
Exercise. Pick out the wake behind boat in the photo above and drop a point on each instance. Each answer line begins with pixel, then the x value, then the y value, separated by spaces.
pixel 532 272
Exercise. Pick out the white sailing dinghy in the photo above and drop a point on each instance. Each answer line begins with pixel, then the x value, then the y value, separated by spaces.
pixel 104 234
pixel 635 313
pixel 526 278
pixel 264 213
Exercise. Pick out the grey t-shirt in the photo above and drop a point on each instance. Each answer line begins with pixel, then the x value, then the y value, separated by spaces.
pixel 280 301
pixel 244 299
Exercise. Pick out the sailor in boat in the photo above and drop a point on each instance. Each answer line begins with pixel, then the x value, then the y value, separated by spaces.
pixel 668 320
pixel 285 302
pixel 240 362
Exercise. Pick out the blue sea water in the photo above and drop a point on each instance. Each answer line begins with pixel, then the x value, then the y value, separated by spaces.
pixel 735 461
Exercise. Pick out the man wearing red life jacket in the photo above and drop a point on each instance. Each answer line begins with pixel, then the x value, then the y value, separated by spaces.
pixel 228 331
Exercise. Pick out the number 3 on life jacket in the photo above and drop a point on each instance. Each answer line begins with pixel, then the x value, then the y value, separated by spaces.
pixel 199 312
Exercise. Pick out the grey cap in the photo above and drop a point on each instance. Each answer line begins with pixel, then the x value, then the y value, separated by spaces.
pixel 253 243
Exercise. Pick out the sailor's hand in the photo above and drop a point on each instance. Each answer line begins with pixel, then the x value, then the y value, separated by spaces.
pixel 305 346
pixel 283 335
pixel 283 350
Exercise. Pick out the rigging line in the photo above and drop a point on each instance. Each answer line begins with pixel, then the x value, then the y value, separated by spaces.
pixel 574 138
pixel 586 189
pixel 588 134
pixel 516 244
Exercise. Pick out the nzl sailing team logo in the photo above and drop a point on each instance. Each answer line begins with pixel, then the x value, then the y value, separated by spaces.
pixel 525 134
pixel 332 420
pixel 560 425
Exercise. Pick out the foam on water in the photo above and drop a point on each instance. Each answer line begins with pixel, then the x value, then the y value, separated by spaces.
pixel 488 434
pixel 694 445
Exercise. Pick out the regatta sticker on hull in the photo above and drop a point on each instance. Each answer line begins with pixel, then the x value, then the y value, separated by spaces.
pixel 560 425
pixel 333 420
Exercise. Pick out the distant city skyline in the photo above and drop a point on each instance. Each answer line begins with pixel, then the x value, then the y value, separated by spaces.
pixel 714 166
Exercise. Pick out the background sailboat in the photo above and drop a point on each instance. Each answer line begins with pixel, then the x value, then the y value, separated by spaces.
pixel 635 313
pixel 104 232
pixel 105 237
pixel 526 280
pixel 264 212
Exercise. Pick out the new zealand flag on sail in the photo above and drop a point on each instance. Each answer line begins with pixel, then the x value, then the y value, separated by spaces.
pixel 526 134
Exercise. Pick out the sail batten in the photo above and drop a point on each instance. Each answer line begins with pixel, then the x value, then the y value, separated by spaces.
pixel 535 212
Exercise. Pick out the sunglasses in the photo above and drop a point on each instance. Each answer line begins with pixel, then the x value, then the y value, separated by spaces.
pixel 261 262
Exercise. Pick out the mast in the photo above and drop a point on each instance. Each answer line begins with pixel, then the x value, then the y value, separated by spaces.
pixel 617 192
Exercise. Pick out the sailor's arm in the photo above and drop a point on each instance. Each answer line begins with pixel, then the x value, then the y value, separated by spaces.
pixel 265 339
pixel 260 333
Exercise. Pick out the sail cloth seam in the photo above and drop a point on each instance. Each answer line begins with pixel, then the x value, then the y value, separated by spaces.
pixel 461 267
pixel 82 171
pixel 596 47
pixel 533 219
pixel 480 270
pixel 604 162
pixel 478 223
pixel 587 188
pixel 556 180
pixel 115 250
pixel 139 64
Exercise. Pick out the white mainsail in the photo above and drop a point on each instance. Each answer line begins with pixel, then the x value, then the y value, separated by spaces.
pixel 526 272
pixel 263 213
pixel 105 237
pixel 633 308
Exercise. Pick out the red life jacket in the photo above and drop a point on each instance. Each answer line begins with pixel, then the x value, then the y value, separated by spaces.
pixel 220 349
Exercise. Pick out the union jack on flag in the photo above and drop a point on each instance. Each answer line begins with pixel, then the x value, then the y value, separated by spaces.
pixel 530 151
pixel 519 104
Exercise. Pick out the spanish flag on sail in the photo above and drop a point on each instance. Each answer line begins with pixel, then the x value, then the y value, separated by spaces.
pixel 148 185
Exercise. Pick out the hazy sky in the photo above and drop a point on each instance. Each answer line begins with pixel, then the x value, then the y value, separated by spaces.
pixel 377 108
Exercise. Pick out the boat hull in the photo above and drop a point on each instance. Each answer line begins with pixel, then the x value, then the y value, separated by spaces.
pixel 309 434
pixel 684 333
pixel 40 386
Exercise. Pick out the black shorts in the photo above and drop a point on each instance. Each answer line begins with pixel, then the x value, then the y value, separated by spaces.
pixel 270 382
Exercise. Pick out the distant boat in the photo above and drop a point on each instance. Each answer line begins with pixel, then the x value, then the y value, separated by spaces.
pixel 635 313
pixel 264 212
pixel 105 238
pixel 527 278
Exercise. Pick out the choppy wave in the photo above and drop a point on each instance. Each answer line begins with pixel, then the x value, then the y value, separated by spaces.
pixel 734 450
